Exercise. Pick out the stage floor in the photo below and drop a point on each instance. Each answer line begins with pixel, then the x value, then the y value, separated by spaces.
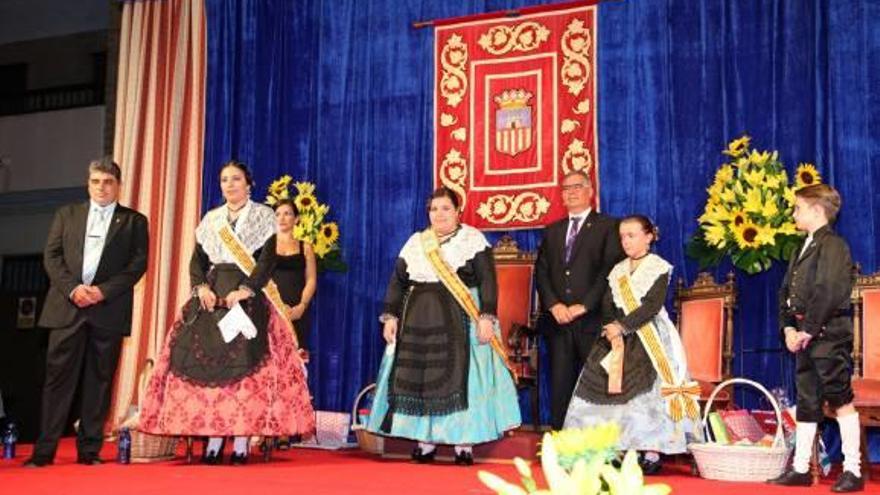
pixel 304 471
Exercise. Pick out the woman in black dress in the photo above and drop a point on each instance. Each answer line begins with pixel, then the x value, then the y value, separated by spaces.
pixel 294 269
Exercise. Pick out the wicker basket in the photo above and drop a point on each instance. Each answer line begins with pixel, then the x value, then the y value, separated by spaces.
pixel 146 447
pixel 741 462
pixel 367 441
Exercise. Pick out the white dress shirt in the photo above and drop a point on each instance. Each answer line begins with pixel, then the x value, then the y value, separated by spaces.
pixel 97 226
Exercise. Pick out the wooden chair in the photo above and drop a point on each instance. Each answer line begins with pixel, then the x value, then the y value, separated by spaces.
pixel 705 322
pixel 517 303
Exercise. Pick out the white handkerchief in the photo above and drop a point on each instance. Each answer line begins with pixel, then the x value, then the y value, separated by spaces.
pixel 605 363
pixel 236 322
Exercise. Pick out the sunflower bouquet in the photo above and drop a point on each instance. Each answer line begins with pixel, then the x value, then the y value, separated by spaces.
pixel 311 226
pixel 748 214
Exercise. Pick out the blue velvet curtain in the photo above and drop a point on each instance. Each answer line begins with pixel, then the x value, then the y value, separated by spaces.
pixel 340 93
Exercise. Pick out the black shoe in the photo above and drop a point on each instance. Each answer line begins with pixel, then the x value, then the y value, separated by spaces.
pixel 792 478
pixel 89 460
pixel 37 462
pixel 848 482
pixel 237 459
pixel 420 458
pixel 212 459
pixel 650 468
pixel 464 458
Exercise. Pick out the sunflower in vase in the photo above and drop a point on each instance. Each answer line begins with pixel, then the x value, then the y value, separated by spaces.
pixel 748 213
pixel 311 226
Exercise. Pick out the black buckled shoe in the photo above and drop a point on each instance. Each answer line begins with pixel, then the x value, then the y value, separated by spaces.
pixel 792 478
pixel 237 459
pixel 89 460
pixel 212 459
pixel 650 468
pixel 848 482
pixel 465 458
pixel 420 458
pixel 37 462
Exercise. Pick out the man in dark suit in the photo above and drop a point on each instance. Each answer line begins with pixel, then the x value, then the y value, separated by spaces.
pixel 574 260
pixel 95 252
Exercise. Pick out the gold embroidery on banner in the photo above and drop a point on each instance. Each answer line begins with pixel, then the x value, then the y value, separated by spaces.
pixel 447 120
pixel 453 171
pixel 522 38
pixel 569 125
pixel 503 208
pixel 453 58
pixel 576 42
pixel 582 108
pixel 577 157
pixel 459 134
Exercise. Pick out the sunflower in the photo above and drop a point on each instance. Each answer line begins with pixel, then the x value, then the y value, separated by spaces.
pixel 738 146
pixel 305 202
pixel 806 175
pixel 329 232
pixel 738 218
pixel 280 186
pixel 746 235
pixel 305 188
pixel 766 236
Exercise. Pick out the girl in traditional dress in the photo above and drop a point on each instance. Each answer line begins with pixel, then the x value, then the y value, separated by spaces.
pixel 636 376
pixel 252 385
pixel 443 379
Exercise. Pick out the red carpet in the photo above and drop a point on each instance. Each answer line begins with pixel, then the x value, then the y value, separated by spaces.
pixel 301 471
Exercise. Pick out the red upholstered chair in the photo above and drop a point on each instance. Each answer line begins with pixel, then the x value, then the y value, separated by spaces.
pixel 705 323
pixel 517 303
pixel 866 356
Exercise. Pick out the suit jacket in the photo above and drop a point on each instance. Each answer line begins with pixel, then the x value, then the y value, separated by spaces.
pixel 583 279
pixel 123 262
pixel 817 285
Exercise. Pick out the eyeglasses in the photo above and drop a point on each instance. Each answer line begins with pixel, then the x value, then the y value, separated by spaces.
pixel 574 187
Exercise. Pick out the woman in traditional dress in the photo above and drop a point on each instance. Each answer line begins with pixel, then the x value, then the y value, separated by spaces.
pixel 636 376
pixel 208 383
pixel 442 379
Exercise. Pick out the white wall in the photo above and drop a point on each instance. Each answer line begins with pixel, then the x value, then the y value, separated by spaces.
pixel 22 20
pixel 49 150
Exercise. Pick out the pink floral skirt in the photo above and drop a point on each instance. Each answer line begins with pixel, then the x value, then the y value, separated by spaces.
pixel 274 400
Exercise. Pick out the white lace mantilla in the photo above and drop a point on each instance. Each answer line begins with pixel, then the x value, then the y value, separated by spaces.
pixel 457 251
pixel 650 268
pixel 255 224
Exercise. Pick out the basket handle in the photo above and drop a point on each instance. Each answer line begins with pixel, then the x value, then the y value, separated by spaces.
pixel 357 401
pixel 777 439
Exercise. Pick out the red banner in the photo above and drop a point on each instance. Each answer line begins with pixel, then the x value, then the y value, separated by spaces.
pixel 514 111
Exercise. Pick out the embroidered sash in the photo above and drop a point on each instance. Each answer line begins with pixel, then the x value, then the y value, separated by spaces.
pixel 680 395
pixel 450 279
pixel 246 263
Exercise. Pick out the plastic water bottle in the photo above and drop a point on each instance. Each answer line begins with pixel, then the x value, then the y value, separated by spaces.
pixel 123 448
pixel 10 437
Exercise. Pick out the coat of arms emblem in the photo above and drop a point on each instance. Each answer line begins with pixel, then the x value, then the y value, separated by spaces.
pixel 513 122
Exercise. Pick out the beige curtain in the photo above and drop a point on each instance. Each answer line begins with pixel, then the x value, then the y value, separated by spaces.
pixel 159 145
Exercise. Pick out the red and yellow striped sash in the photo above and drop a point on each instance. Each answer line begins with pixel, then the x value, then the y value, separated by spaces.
pixel 680 396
